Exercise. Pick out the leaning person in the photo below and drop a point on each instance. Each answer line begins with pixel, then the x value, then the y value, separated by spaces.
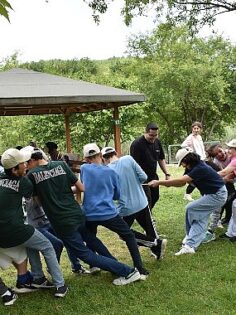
pixel 13 232
pixel 52 181
pixel 213 196
pixel 133 203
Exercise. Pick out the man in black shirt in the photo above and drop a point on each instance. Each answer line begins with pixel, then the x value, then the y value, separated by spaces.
pixel 147 152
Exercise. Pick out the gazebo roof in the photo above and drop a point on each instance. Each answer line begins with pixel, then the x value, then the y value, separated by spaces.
pixel 26 92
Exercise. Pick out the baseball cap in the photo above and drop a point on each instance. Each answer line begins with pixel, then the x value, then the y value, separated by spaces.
pixel 151 125
pixel 182 153
pixel 31 150
pixel 107 150
pixel 13 157
pixel 90 149
pixel 232 143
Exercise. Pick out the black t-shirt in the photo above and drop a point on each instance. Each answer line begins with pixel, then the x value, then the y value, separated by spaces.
pixel 147 155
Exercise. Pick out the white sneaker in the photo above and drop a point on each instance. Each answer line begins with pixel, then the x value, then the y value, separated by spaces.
pixel 220 225
pixel 188 197
pixel 186 249
pixel 94 270
pixel 133 276
pixel 184 240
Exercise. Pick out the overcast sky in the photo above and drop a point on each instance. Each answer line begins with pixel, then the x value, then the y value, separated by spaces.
pixel 65 29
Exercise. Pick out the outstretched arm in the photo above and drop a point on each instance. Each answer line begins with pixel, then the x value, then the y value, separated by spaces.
pixel 176 182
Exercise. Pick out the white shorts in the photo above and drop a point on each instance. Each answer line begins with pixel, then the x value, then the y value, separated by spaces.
pixel 15 254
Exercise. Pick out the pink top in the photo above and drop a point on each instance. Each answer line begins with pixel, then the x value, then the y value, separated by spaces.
pixel 233 163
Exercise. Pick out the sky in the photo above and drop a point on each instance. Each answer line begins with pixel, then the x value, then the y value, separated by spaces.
pixel 64 29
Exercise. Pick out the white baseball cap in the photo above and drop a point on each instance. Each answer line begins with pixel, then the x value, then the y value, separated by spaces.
pixel 90 149
pixel 182 153
pixel 13 157
pixel 32 150
pixel 107 150
pixel 232 143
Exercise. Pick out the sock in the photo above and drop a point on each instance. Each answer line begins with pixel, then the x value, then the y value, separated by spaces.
pixel 25 278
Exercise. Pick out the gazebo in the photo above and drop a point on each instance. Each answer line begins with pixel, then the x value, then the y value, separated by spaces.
pixel 26 92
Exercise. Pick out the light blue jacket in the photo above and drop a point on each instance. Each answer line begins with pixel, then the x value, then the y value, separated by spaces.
pixel 132 196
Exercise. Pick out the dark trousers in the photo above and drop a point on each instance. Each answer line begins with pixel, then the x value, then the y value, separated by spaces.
pixel 145 220
pixel 119 226
pixel 94 253
pixel 3 288
pixel 152 193
pixel 227 208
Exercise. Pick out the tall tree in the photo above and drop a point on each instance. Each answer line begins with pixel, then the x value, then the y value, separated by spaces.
pixel 185 79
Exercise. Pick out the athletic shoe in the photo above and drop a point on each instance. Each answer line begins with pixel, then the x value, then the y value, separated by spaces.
pixel 232 239
pixel 9 299
pixel 220 225
pixel 133 276
pixel 209 237
pixel 42 283
pixel 94 270
pixel 159 250
pixel 224 236
pixel 61 291
pixel 184 240
pixel 188 197
pixel 24 288
pixel 81 271
pixel 143 274
pixel 185 250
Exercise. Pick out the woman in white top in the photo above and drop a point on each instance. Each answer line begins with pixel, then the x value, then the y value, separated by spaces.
pixel 194 141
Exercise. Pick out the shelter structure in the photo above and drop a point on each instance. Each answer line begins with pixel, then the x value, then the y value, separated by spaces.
pixel 26 92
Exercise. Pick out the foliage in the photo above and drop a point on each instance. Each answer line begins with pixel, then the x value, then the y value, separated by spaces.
pixel 185 79
pixel 195 13
pixel 4 9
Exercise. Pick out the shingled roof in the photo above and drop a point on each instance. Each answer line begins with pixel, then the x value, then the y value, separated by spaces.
pixel 26 92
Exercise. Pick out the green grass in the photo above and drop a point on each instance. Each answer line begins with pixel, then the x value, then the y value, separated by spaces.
pixel 203 283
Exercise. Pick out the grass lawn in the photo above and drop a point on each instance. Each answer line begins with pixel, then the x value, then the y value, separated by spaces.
pixel 203 283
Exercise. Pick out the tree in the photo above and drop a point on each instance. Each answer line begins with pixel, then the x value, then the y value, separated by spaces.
pixel 193 12
pixel 4 8
pixel 185 78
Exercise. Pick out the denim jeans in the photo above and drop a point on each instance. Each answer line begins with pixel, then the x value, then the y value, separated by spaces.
pixel 39 243
pixel 119 226
pixel 231 230
pixel 198 213
pixel 95 253
pixel 58 245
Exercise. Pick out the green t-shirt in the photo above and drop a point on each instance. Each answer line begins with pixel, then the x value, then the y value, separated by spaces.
pixel 52 184
pixel 13 231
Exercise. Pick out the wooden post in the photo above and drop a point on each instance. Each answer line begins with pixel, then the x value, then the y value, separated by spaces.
pixel 117 130
pixel 67 130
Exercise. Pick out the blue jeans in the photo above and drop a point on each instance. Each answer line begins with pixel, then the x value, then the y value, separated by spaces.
pixel 58 245
pixel 95 253
pixel 119 226
pixel 198 213
pixel 39 243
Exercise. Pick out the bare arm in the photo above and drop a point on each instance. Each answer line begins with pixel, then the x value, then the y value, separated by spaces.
pixel 162 164
pixel 227 171
pixel 176 182
pixel 78 187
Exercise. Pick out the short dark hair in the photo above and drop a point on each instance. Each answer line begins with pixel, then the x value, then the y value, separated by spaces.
pixel 152 126
pixel 37 155
pixel 191 159
pixel 109 155
pixel 8 171
pixel 212 148
pixel 51 145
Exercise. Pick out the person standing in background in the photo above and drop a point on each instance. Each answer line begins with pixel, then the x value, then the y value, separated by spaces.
pixel 147 151
pixel 194 141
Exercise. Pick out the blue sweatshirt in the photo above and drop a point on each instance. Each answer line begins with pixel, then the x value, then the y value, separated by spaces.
pixel 132 196
pixel 101 188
